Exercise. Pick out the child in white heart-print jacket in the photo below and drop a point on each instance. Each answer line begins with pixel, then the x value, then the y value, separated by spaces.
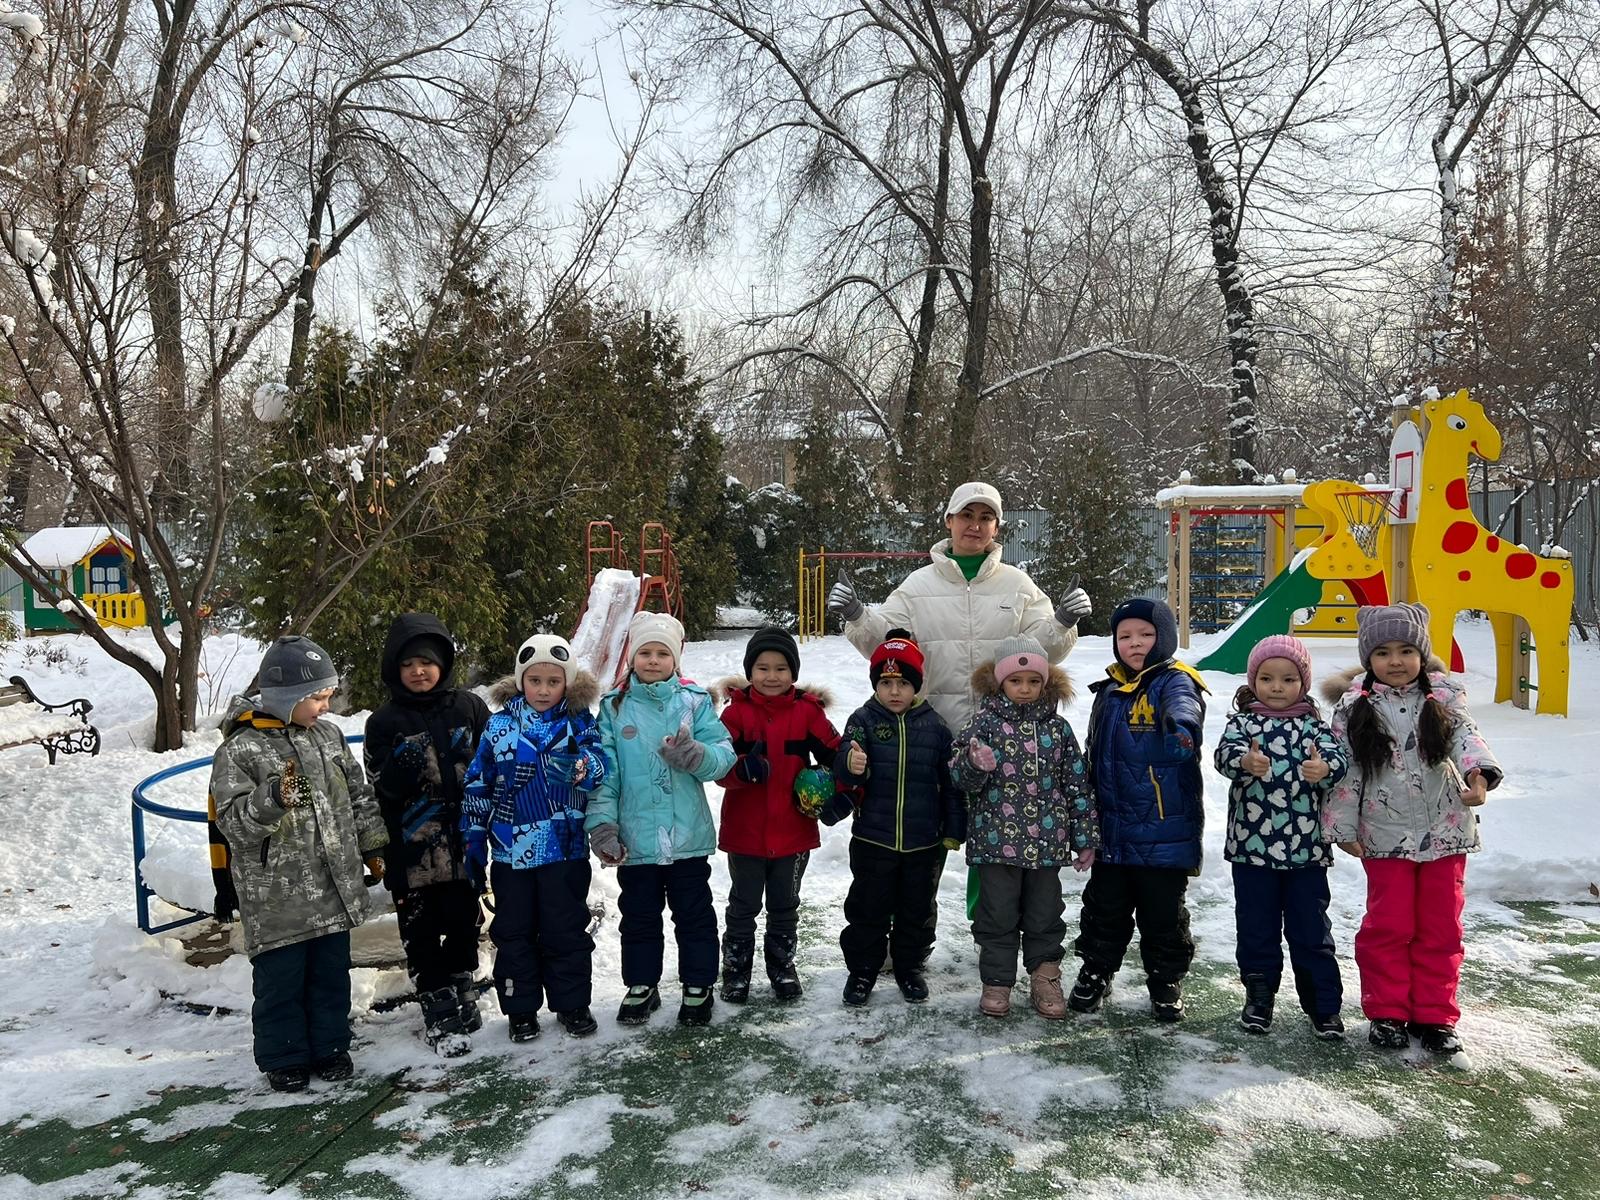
pixel 1281 759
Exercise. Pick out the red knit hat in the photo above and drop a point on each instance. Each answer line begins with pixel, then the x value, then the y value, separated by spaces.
pixel 898 656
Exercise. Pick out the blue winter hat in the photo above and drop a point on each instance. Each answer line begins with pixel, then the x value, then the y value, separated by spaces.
pixel 1156 612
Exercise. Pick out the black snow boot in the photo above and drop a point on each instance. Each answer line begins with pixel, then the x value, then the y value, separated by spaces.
pixel 1329 1027
pixel 1166 1000
pixel 696 1006
pixel 467 991
pixel 1090 991
pixel 523 1027
pixel 579 1022
pixel 738 960
pixel 1437 1039
pixel 1388 1035
pixel 442 1023
pixel 335 1067
pixel 642 1000
pixel 1259 994
pixel 858 988
pixel 913 985
pixel 289 1079
pixel 785 980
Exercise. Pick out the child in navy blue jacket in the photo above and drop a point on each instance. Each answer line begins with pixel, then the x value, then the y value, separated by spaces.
pixel 525 802
pixel 897 749
pixel 1143 751
pixel 1282 759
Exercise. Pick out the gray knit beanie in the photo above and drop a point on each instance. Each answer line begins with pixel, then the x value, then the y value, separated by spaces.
pixel 292 669
pixel 1406 623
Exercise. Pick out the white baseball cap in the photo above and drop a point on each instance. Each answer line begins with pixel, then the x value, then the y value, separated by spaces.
pixel 975 493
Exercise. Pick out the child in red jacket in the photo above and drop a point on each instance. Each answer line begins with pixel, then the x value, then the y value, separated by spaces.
pixel 777 728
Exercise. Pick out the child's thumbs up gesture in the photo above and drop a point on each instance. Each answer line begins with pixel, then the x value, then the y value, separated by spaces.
pixel 1254 762
pixel 1476 790
pixel 682 751
pixel 981 756
pixel 857 759
pixel 1315 769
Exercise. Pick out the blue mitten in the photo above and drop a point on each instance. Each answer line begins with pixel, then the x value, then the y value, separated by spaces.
pixel 753 767
pixel 475 857
pixel 409 754
pixel 1178 742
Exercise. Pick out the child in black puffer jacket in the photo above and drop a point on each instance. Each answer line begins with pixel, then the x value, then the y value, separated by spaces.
pixel 417 749
pixel 896 749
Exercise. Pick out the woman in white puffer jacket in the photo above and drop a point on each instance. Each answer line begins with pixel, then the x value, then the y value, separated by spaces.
pixel 962 605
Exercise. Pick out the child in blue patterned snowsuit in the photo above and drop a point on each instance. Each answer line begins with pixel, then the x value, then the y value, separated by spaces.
pixel 1281 758
pixel 524 809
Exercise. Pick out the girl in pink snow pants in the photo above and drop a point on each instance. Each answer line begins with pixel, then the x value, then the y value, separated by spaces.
pixel 1418 769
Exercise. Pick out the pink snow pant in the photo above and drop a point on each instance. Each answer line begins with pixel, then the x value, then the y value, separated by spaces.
pixel 1409 947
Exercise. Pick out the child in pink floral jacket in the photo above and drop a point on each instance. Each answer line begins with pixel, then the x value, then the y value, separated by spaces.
pixel 1031 813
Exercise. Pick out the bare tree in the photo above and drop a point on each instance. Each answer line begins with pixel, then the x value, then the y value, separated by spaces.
pixel 172 183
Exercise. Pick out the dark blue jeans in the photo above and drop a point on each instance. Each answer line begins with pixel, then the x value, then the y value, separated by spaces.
pixel 685 887
pixel 1272 906
pixel 301 1013
pixel 542 947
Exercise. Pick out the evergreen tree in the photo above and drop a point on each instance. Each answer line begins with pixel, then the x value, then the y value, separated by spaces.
pixel 701 530
pixel 1095 533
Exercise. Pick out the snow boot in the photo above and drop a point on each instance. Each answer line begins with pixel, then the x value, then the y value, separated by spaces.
pixel 1259 996
pixel 1437 1039
pixel 335 1067
pixel 523 1027
pixel 995 1000
pixel 467 992
pixel 858 988
pixel 1388 1035
pixel 289 1079
pixel 442 1023
pixel 642 1000
pixel 579 1022
pixel 695 1008
pixel 1329 1028
pixel 1166 1000
pixel 913 985
pixel 738 960
pixel 1090 991
pixel 1044 991
pixel 780 949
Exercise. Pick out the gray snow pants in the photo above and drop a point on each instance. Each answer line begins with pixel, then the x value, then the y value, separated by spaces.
pixel 1017 904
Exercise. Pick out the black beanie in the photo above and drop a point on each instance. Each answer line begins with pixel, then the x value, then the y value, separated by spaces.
pixel 770 637
pixel 427 646
pixel 1156 612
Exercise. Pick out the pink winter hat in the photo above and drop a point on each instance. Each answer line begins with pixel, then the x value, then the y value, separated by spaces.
pixel 1019 654
pixel 1281 645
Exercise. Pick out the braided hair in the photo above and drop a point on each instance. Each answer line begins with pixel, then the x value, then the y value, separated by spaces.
pixel 1372 746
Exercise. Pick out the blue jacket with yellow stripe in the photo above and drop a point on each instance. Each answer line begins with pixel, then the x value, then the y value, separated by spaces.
pixel 1144 760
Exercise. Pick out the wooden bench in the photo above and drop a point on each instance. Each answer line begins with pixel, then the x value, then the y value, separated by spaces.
pixel 60 728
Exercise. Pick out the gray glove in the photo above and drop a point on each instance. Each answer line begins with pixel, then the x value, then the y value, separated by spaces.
pixel 682 751
pixel 604 841
pixel 1073 608
pixel 843 600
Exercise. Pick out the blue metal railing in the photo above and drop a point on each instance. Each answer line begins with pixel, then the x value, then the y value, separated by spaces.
pixel 142 804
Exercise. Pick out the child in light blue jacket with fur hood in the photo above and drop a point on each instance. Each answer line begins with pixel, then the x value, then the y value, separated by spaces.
pixel 651 820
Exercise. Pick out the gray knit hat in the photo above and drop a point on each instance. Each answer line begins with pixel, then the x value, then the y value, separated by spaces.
pixel 1019 653
pixel 292 669
pixel 1406 623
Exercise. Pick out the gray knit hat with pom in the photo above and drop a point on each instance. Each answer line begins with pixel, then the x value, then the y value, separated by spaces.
pixel 1406 623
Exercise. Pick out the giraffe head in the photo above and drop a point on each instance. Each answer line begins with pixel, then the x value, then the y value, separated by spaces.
pixel 1457 425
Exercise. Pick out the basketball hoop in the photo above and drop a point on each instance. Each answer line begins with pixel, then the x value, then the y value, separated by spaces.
pixel 1366 512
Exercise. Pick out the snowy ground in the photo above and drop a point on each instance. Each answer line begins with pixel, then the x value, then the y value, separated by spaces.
pixel 105 1066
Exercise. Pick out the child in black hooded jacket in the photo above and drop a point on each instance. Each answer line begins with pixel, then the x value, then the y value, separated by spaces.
pixel 418 747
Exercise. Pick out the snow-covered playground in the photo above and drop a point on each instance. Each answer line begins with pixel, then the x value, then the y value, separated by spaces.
pixel 125 1069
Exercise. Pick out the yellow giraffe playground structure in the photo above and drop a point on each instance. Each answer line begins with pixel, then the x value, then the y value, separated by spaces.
pixel 1447 560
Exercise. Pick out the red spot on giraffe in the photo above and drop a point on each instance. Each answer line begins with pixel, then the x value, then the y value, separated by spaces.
pixel 1492 544
pixel 1463 575
pixel 1455 493
pixel 1550 579
pixel 1459 537
pixel 1521 566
